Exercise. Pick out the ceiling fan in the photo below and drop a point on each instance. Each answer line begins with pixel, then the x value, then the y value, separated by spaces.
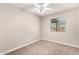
pixel 41 7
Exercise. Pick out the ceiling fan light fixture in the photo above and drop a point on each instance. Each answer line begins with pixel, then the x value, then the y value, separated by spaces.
pixel 41 8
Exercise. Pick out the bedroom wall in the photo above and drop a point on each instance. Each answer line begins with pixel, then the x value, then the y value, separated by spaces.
pixel 78 21
pixel 17 27
pixel 69 37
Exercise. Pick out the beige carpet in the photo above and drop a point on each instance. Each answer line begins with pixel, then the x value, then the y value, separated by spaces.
pixel 43 47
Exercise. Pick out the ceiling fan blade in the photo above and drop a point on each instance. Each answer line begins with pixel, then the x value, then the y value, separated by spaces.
pixel 36 5
pixel 46 4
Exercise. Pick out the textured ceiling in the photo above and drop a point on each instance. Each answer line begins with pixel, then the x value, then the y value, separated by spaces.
pixel 53 7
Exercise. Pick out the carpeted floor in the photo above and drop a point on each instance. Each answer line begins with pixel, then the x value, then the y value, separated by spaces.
pixel 43 47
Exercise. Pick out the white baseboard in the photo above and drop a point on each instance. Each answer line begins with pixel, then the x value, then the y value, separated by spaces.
pixel 36 41
pixel 19 47
pixel 72 45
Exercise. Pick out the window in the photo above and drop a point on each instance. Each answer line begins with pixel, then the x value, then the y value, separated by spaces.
pixel 58 24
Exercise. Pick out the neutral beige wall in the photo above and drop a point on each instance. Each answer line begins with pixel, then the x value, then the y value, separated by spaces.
pixel 17 27
pixel 78 21
pixel 71 34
